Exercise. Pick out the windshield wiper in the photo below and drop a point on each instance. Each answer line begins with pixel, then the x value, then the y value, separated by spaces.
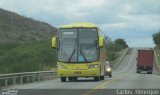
pixel 83 55
pixel 71 55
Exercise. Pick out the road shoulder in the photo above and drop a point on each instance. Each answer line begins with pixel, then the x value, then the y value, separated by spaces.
pixel 120 58
pixel 156 59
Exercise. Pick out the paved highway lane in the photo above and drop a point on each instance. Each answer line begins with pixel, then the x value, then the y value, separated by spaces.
pixel 133 80
pixel 82 83
pixel 124 76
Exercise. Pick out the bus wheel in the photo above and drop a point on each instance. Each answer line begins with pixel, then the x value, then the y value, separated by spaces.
pixel 110 75
pixel 63 79
pixel 101 77
pixel 97 78
pixel 75 78
pixel 70 78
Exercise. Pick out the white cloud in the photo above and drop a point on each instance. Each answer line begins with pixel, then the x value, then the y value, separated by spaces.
pixel 115 26
pixel 142 42
pixel 136 19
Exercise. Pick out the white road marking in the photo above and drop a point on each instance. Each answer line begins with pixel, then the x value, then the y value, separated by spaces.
pixel 35 86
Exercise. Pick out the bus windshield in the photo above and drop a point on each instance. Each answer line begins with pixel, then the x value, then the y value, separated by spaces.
pixel 78 45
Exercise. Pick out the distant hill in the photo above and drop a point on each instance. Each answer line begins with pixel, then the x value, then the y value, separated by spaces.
pixel 17 28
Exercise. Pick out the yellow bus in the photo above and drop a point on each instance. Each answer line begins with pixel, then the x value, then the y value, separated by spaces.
pixel 81 51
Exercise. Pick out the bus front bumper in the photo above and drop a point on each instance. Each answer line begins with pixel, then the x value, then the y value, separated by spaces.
pixel 78 73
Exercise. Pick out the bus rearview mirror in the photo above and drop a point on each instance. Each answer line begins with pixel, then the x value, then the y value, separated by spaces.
pixel 54 41
pixel 101 41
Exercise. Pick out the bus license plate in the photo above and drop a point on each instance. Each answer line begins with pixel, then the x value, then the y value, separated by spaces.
pixel 77 72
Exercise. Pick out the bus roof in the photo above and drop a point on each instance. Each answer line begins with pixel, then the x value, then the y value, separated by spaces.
pixel 78 25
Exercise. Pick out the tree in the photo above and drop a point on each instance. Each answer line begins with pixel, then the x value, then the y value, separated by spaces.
pixel 156 38
pixel 121 43
pixel 111 53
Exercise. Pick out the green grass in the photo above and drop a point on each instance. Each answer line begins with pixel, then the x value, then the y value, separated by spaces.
pixel 112 51
pixel 35 56
pixel 159 60
pixel 26 57
pixel 158 57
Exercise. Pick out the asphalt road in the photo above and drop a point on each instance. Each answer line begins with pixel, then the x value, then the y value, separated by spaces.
pixel 124 77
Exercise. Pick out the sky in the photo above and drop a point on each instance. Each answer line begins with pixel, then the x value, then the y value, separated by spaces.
pixel 133 20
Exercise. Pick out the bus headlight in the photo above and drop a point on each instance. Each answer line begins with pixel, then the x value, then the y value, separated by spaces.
pixel 61 66
pixel 93 66
pixel 108 69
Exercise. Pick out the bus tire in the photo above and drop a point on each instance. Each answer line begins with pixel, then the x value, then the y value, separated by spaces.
pixel 110 75
pixel 97 78
pixel 75 78
pixel 63 79
pixel 101 77
pixel 70 78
